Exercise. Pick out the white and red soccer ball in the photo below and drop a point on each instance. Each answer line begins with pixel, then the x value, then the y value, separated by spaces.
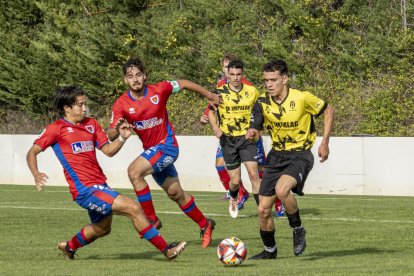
pixel 231 251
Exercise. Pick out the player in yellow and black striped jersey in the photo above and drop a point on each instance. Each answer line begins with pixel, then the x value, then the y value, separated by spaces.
pixel 233 117
pixel 291 122
pixel 288 115
pixel 234 113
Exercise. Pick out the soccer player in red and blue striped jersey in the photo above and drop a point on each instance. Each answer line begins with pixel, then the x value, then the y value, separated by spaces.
pixel 74 138
pixel 144 106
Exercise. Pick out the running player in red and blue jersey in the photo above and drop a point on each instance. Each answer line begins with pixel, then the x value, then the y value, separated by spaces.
pixel 74 139
pixel 144 106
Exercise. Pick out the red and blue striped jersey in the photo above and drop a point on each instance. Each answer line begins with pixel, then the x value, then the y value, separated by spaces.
pixel 148 114
pixel 74 146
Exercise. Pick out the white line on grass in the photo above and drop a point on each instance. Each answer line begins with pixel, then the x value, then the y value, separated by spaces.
pixel 199 194
pixel 224 215
pixel 155 193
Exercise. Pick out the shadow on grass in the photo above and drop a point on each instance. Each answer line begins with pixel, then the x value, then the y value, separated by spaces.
pixel 309 211
pixel 304 211
pixel 149 255
pixel 344 253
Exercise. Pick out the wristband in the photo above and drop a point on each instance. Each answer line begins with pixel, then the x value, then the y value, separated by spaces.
pixel 121 139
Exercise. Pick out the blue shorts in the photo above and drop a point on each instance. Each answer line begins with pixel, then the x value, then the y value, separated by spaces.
pixel 98 200
pixel 261 154
pixel 162 158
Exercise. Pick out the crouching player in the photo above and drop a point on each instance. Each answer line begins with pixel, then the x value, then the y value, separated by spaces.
pixel 74 139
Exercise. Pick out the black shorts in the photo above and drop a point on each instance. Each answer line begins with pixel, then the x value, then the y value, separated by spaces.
pixel 297 164
pixel 237 149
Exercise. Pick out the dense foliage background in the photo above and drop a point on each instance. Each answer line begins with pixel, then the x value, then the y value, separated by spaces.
pixel 358 55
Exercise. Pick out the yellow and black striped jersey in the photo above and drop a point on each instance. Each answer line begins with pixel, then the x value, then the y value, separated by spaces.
pixel 234 113
pixel 290 123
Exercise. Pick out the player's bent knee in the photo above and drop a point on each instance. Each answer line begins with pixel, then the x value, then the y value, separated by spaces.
pixel 135 173
pixel 135 210
pixel 175 195
pixel 220 162
pixel 282 193
pixel 263 212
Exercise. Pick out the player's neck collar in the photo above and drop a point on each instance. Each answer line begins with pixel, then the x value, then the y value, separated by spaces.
pixel 72 123
pixel 236 91
pixel 284 98
pixel 134 98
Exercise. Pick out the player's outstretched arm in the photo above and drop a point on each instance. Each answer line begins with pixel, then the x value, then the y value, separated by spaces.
pixel 112 134
pixel 213 99
pixel 124 130
pixel 323 150
pixel 31 158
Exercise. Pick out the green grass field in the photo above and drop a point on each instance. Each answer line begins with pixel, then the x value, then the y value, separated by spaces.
pixel 345 235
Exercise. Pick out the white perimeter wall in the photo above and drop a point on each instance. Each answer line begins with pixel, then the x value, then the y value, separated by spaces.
pixel 356 165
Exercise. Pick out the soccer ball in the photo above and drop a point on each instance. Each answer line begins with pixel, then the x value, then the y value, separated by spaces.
pixel 231 251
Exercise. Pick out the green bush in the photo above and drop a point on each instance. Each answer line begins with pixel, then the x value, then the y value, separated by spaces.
pixel 354 54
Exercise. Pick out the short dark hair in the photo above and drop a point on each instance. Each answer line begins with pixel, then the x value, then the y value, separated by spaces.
pixel 276 65
pixel 66 96
pixel 237 64
pixel 133 62
pixel 230 57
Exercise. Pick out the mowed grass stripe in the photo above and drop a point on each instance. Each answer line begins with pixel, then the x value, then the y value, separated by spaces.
pixel 225 215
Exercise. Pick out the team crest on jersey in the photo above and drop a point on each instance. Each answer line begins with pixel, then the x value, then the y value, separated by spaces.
pixel 70 130
pixel 90 128
pixel 131 110
pixel 292 105
pixel 82 146
pixel 155 99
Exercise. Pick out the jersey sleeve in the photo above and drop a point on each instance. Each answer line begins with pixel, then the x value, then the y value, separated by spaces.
pixel 313 104
pixel 175 86
pixel 116 114
pixel 48 137
pixel 257 94
pixel 101 138
pixel 256 117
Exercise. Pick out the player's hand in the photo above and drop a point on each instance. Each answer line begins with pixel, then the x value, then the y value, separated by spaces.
pixel 323 152
pixel 214 100
pixel 252 134
pixel 217 132
pixel 204 119
pixel 119 123
pixel 124 128
pixel 40 180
